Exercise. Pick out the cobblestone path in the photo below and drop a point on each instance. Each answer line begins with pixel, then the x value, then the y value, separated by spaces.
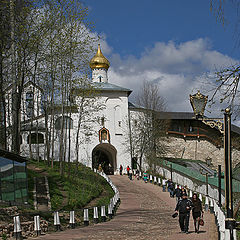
pixel 144 214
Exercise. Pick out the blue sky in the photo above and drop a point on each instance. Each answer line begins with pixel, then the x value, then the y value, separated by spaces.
pixel 131 26
pixel 173 43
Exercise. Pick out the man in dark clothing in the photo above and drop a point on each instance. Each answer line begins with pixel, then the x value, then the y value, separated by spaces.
pixel 171 189
pixel 184 207
pixel 121 168
pixel 178 193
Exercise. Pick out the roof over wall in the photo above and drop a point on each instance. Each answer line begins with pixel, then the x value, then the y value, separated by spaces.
pixel 12 156
pixel 109 87
pixel 177 116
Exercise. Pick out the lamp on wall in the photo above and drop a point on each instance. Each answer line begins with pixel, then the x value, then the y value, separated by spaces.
pixel 198 102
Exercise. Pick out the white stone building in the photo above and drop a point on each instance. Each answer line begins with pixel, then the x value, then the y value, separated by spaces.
pixel 104 133
pixel 102 138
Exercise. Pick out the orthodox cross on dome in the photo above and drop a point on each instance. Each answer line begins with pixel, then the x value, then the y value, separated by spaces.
pixel 100 78
pixel 99 65
pixel 99 61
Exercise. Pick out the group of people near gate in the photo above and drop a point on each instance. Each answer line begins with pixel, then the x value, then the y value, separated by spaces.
pixel 129 172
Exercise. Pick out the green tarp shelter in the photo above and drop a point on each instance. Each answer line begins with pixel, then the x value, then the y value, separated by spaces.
pixel 13 177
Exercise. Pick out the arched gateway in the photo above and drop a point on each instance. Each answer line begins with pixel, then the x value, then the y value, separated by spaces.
pixel 105 154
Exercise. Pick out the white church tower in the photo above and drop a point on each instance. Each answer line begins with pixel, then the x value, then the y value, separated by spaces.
pixel 111 147
pixel 99 65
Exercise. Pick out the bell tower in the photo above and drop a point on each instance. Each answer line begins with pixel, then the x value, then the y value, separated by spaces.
pixel 99 65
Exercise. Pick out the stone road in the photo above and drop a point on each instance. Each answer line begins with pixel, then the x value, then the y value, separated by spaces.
pixel 145 213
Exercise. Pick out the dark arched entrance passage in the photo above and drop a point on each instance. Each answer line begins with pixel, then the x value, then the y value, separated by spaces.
pixel 105 154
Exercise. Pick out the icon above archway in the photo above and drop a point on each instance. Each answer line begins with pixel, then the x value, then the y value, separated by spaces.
pixel 104 136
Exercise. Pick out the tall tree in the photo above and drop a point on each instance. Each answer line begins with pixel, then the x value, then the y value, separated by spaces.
pixel 227 79
pixel 147 131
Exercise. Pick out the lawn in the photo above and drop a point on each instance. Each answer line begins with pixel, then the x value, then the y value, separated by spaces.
pixel 74 191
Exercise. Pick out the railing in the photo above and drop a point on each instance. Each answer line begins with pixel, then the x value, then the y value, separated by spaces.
pixel 196 175
pixel 111 210
pixel 212 196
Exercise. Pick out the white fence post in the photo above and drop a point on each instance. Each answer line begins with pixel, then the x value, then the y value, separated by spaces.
pixel 72 219
pixel 56 221
pixel 85 217
pixel 103 213
pixel 17 227
pixel 37 228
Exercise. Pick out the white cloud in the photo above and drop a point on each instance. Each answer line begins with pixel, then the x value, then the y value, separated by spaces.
pixel 179 69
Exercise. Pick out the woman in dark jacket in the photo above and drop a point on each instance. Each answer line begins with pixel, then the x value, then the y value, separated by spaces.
pixel 196 211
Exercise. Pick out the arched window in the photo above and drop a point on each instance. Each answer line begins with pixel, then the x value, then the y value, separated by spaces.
pixel 29 104
pixel 36 138
pixel 66 121
pixel 104 136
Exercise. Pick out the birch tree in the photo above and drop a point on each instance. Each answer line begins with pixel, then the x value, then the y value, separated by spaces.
pixel 147 132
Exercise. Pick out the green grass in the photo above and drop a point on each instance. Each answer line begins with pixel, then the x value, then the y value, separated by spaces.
pixel 76 191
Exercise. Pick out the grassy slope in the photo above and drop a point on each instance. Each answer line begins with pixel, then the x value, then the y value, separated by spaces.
pixel 72 192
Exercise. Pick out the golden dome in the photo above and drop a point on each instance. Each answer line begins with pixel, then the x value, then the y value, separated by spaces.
pixel 99 61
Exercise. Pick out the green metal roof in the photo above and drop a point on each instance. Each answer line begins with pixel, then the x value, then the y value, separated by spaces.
pixel 109 87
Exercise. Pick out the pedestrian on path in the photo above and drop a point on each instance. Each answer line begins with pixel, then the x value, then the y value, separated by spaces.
pixel 171 188
pixel 128 169
pixel 100 168
pixel 121 168
pixel 137 174
pixel 196 211
pixel 164 181
pixel 184 190
pixel 130 174
pixel 145 177
pixel 177 193
pixel 184 207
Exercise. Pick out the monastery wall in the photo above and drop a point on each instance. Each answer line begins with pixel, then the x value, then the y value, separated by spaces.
pixel 199 150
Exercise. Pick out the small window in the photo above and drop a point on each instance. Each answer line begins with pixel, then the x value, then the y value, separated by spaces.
pixel 135 123
pixel 29 104
pixel 36 138
pixel 119 123
pixel 102 121
pixel 66 121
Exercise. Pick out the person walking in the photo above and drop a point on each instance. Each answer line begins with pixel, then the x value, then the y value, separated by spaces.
pixel 196 211
pixel 184 207
pixel 170 188
pixel 121 168
pixel 164 181
pixel 145 177
pixel 184 190
pixel 177 193
pixel 100 168
pixel 137 174
pixel 130 174
pixel 128 169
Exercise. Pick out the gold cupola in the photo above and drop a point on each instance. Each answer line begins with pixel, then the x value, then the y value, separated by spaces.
pixel 99 61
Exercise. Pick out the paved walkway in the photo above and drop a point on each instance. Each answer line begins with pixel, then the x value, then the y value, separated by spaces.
pixel 145 213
